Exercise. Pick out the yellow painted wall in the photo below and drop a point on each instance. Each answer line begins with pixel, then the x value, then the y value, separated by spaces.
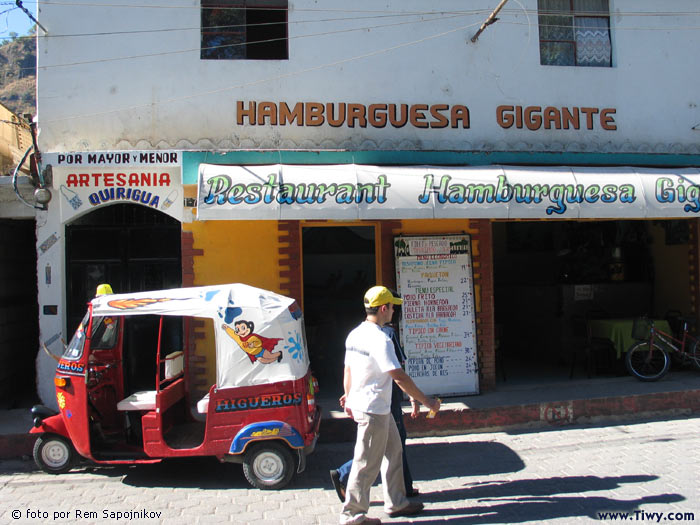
pixel 671 274
pixel 233 252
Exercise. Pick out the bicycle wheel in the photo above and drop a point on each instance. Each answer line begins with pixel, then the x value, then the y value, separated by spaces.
pixel 647 365
pixel 694 354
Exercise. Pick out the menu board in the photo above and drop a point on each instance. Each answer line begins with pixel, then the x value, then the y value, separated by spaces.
pixel 438 328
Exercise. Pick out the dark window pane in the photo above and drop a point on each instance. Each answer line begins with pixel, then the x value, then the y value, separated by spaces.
pixel 244 29
pixel 556 28
pixel 591 6
pixel 267 34
pixel 223 33
pixel 557 54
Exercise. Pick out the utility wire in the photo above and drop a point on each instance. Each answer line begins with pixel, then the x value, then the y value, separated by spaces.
pixel 270 79
pixel 199 49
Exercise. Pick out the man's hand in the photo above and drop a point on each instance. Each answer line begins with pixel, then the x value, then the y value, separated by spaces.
pixel 415 409
pixel 434 404
pixel 342 400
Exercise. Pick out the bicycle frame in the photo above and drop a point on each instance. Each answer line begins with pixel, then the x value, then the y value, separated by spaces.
pixel 670 342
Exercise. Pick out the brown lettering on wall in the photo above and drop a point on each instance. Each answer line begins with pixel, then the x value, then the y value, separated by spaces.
pixel 569 118
pixel 535 118
pixel 242 113
pixel 334 121
pixel 400 121
pixel 377 115
pixel 420 116
pixel 288 117
pixel 441 121
pixel 607 121
pixel 417 115
pixel 314 114
pixel 267 110
pixel 356 112
pixel 460 114
pixel 589 112
pixel 504 116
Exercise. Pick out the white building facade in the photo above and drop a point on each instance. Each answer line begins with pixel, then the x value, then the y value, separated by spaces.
pixel 594 100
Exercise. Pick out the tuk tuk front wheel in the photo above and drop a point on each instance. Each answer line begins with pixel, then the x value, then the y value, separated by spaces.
pixel 53 454
pixel 269 465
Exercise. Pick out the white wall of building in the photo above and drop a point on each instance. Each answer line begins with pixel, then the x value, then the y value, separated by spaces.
pixel 51 272
pixel 138 81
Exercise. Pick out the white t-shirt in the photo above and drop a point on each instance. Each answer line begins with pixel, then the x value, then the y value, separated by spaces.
pixel 370 355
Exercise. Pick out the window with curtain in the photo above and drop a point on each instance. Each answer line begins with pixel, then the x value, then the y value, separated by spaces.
pixel 244 30
pixel 575 33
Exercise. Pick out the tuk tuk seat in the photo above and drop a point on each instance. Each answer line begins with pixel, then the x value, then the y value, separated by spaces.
pixel 143 400
pixel 203 404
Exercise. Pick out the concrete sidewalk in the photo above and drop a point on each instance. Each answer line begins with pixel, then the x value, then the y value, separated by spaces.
pixel 513 405
pixel 563 402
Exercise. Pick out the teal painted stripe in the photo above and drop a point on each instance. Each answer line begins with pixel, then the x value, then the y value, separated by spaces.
pixel 192 159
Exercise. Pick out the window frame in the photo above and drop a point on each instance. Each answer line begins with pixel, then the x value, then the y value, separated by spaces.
pixel 573 16
pixel 237 41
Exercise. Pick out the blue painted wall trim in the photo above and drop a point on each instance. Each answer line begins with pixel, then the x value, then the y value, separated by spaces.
pixel 192 159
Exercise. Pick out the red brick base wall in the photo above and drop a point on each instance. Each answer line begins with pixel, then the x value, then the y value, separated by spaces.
pixel 482 259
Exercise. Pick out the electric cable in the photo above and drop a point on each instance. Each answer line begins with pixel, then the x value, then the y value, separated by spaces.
pixel 270 79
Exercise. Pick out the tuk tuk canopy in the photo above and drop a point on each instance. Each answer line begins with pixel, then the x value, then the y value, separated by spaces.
pixel 259 334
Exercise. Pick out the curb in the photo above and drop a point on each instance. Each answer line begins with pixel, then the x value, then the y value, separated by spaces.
pixel 535 416
pixel 456 419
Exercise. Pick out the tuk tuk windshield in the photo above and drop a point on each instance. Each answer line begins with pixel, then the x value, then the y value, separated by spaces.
pixel 104 335
pixel 74 350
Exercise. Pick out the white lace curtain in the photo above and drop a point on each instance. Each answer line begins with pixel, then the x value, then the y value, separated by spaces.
pixel 592 41
pixel 574 32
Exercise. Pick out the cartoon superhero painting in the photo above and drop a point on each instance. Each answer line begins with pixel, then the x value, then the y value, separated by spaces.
pixel 257 347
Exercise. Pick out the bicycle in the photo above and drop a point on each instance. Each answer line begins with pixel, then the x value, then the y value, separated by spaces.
pixel 650 358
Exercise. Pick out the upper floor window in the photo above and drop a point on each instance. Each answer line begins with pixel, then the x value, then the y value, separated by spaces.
pixel 574 33
pixel 244 29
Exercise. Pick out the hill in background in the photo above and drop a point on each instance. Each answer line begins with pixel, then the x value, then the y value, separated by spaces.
pixel 18 74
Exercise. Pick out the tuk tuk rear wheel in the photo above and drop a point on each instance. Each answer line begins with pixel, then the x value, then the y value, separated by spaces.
pixel 54 454
pixel 269 465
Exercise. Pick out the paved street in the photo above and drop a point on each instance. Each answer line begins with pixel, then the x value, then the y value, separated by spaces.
pixel 556 476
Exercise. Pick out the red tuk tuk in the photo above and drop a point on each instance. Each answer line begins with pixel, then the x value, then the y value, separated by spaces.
pixel 123 384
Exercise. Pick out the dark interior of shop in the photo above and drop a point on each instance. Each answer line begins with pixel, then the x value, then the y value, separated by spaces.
pixel 339 266
pixel 553 277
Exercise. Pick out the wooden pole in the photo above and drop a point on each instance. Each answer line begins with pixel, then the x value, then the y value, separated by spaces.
pixel 490 20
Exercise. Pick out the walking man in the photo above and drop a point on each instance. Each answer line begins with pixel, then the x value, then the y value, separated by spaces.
pixel 370 368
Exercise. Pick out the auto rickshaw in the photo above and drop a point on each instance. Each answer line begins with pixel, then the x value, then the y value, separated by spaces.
pixel 124 384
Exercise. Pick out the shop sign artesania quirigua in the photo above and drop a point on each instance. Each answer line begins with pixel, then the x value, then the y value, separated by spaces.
pixel 85 181
pixel 374 192
pixel 438 328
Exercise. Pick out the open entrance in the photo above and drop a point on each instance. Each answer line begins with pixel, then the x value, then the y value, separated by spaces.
pixel 133 248
pixel 558 282
pixel 339 266
pixel 18 313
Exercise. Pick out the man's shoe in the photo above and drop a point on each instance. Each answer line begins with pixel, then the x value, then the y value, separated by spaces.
pixel 409 510
pixel 371 521
pixel 339 487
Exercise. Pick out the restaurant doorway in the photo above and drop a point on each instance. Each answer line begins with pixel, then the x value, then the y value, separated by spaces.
pixel 552 277
pixel 339 265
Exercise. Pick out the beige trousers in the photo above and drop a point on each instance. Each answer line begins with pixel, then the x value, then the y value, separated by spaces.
pixel 378 447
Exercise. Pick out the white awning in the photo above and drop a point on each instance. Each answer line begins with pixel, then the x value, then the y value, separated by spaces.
pixel 351 192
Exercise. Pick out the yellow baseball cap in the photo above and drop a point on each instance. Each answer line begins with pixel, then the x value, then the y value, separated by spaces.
pixel 379 295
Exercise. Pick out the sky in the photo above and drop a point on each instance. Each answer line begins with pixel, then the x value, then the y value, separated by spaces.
pixel 13 19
